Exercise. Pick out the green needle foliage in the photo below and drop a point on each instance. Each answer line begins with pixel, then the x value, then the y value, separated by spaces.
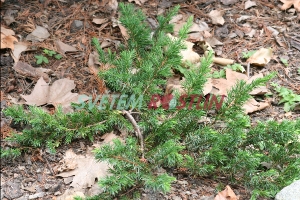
pixel 264 157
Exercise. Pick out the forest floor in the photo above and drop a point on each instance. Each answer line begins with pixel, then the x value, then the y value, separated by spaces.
pixel 74 23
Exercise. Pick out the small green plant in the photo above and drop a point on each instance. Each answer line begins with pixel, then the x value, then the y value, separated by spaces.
pixel 222 73
pixel 248 54
pixel 43 59
pixel 299 71
pixel 284 61
pixel 288 97
pixel 219 74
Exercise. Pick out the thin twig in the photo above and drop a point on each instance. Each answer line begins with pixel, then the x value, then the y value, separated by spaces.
pixel 49 166
pixel 248 69
pixel 137 130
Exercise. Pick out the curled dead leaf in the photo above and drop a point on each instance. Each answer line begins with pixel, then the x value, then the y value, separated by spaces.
pixel 187 54
pixel 57 94
pixel 226 194
pixel 174 84
pixel 261 57
pixel 288 3
pixel 216 17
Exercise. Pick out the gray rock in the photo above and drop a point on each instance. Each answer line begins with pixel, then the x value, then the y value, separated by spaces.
pixel 76 26
pixel 207 198
pixel 23 198
pixel 12 189
pixel 37 195
pixel 1 193
pixel 291 192
pixel 176 198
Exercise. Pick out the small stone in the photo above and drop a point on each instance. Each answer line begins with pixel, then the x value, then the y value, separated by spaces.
pixel 55 187
pixel 47 171
pixel 23 198
pixel 37 195
pixel 16 175
pixel 38 170
pixel 290 192
pixel 76 26
pixel 12 189
pixel 207 198
pixel 47 186
pixel 21 167
pixel 68 179
pixel 176 198
pixel 184 183
pixel 57 193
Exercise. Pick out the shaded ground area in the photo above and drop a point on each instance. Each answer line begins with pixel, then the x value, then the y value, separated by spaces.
pixel 32 176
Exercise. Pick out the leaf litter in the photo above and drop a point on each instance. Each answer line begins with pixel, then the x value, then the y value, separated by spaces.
pixel 58 94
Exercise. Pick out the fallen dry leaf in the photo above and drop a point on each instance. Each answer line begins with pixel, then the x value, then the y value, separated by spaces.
pixel 7 38
pixel 224 85
pixel 226 194
pixel 288 3
pixel 124 31
pixel 261 57
pixel 18 49
pixel 38 35
pixel 229 2
pixel 261 90
pixel 6 31
pixel 249 4
pixel 100 21
pixel 30 72
pixel 63 48
pixel 9 18
pixel 174 84
pixel 252 105
pixel 85 170
pixel 57 94
pixel 139 2
pixel 213 41
pixel 7 41
pixel 187 54
pixel 216 17
pixel 39 95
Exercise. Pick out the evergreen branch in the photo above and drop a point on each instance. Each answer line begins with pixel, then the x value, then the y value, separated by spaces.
pixel 137 130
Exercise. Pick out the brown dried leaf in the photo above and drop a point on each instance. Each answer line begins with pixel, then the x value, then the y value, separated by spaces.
pixel 100 21
pixel 7 41
pixel 139 2
pixel 249 4
pixel 57 94
pixel 288 3
pixel 216 17
pixel 229 2
pixel 38 35
pixel 261 57
pixel 123 31
pixel 28 71
pixel 6 31
pixel 63 48
pixel 85 171
pixel 224 85
pixel 39 95
pixel 226 194
pixel 18 49
pixel 174 84
pixel 252 105
pixel 60 93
